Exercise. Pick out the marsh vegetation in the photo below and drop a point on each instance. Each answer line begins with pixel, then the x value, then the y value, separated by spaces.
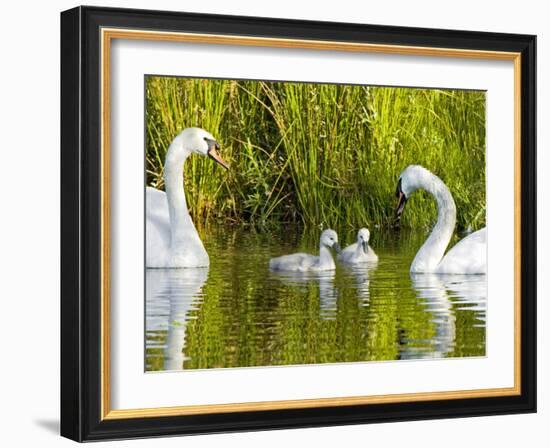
pixel 305 157
pixel 318 154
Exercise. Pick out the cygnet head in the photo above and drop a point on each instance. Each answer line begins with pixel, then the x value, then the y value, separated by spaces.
pixel 411 179
pixel 363 237
pixel 329 238
pixel 200 142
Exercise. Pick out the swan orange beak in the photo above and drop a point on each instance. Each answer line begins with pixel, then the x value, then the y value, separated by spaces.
pixel 215 155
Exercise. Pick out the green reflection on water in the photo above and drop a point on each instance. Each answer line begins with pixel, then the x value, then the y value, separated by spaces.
pixel 239 314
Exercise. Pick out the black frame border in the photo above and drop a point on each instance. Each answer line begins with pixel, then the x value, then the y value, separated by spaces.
pixel 81 223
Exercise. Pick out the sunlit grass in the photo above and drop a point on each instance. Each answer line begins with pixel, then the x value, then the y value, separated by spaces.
pixel 318 154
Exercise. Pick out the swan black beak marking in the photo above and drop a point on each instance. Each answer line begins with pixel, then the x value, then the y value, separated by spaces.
pixel 402 200
pixel 213 147
pixel 365 247
pixel 400 205
pixel 337 248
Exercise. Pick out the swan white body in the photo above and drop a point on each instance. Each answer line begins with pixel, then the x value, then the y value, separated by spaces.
pixel 468 256
pixel 172 240
pixel 302 262
pixel 359 252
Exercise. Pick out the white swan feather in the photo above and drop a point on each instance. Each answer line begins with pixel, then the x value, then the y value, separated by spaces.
pixel 171 238
pixel 302 262
pixel 360 251
pixel 468 256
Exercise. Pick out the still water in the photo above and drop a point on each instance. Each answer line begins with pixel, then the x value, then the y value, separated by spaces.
pixel 237 313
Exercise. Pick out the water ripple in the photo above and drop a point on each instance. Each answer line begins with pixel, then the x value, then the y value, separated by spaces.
pixel 237 314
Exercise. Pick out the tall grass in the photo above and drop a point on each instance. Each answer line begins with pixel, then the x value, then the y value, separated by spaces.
pixel 319 154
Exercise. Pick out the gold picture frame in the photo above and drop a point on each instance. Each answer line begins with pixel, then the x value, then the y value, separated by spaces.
pixel 105 26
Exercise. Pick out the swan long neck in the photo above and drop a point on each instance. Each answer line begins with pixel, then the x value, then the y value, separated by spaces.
pixel 325 257
pixel 175 194
pixel 432 251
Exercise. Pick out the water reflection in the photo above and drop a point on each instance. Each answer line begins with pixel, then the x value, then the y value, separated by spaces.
pixel 323 280
pixel 237 313
pixel 170 294
pixel 442 295
pixel 360 275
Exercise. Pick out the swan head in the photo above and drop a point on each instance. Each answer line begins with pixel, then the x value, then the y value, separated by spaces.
pixel 411 179
pixel 363 237
pixel 329 238
pixel 199 141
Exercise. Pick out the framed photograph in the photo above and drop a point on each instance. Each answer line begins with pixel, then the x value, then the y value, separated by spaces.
pixel 271 223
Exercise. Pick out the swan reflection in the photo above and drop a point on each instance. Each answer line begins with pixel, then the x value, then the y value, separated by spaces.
pixel 442 296
pixel 170 295
pixel 238 313
pixel 328 293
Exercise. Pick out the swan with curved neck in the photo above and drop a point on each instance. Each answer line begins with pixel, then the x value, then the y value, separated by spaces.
pixel 468 256
pixel 301 262
pixel 359 252
pixel 172 240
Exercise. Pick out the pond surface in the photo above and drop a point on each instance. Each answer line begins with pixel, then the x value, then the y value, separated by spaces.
pixel 237 313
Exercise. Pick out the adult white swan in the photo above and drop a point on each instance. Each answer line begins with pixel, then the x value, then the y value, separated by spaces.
pixel 171 238
pixel 359 252
pixel 468 256
pixel 301 262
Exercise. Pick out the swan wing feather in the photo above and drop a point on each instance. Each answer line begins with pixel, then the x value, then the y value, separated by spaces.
pixel 348 255
pixel 294 262
pixel 157 228
pixel 468 256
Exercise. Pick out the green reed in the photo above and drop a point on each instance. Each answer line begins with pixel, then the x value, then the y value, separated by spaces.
pixel 319 154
